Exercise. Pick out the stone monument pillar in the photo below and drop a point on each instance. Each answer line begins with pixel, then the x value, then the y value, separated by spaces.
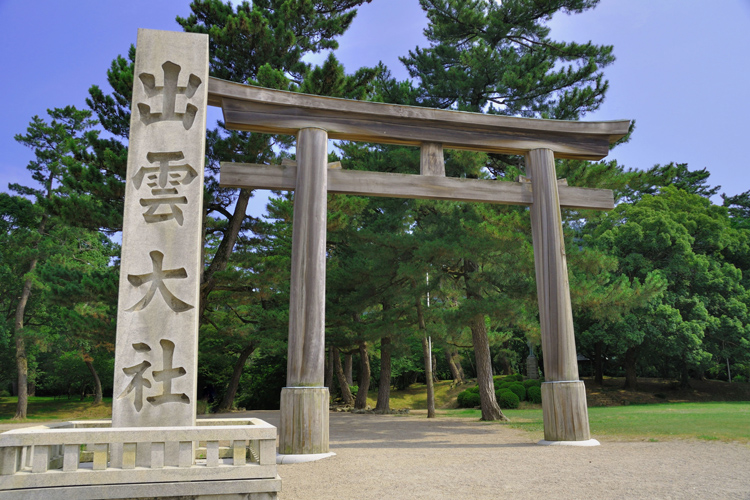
pixel 157 321
pixel 563 394
pixel 532 364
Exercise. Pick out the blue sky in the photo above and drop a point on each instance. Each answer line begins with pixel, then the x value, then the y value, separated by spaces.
pixel 682 69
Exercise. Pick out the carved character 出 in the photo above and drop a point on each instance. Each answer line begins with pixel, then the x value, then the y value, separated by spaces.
pixel 169 93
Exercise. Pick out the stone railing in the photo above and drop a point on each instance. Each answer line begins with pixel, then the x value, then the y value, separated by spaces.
pixel 88 459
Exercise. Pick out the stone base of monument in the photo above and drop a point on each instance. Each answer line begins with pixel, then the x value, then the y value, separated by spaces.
pixel 564 410
pixel 223 459
pixel 304 421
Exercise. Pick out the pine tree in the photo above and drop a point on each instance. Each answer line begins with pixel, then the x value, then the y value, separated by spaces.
pixel 497 57
pixel 60 146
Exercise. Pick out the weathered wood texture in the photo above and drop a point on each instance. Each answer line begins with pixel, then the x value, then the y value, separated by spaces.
pixel 431 161
pixel 304 420
pixel 564 411
pixel 555 313
pixel 357 182
pixel 306 363
pixel 258 109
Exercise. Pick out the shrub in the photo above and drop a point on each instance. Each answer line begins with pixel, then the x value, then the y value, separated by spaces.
pixel 474 389
pixel 518 390
pixel 534 394
pixel 4 393
pixel 518 377
pixel 354 389
pixel 504 385
pixel 468 399
pixel 508 400
pixel 461 398
pixel 531 382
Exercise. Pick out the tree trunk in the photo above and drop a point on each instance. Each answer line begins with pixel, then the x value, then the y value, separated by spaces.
pixel 22 362
pixel 363 377
pixel 435 378
pixel 384 384
pixel 599 363
pixel 456 371
pixel 346 394
pixel 427 361
pixel 221 257
pixel 228 400
pixel 490 409
pixel 684 375
pixel 631 380
pixel 329 369
pixel 428 379
pixel 97 383
pixel 348 368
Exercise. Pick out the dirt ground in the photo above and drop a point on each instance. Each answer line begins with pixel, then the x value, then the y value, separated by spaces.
pixel 397 457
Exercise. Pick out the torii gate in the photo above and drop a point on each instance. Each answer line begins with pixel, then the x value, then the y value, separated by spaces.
pixel 157 330
pixel 314 120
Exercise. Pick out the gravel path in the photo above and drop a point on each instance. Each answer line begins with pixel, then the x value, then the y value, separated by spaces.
pixel 398 457
pixel 395 457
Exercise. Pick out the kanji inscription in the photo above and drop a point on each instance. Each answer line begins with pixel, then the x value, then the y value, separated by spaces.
pixel 168 94
pixel 156 278
pixel 165 376
pixel 139 380
pixel 164 179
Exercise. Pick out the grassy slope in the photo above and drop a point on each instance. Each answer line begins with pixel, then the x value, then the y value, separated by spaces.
pixel 415 396
pixel 47 408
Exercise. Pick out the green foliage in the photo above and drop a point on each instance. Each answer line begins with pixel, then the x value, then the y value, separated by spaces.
pixel 262 383
pixel 507 399
pixel 688 244
pixel 498 56
pixel 519 390
pixel 531 383
pixel 468 399
pixel 534 394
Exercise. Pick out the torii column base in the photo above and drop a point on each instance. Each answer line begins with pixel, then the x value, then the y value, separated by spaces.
pixel 566 417
pixel 304 421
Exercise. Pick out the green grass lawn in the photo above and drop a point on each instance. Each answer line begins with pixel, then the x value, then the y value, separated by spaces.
pixel 48 408
pixel 709 421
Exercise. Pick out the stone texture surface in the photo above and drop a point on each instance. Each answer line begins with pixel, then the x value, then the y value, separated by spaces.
pixel 157 322
pixel 256 489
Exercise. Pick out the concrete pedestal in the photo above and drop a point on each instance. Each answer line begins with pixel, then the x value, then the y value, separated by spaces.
pixel 304 420
pixel 565 413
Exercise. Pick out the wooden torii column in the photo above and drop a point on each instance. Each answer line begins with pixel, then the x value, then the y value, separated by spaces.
pixel 314 120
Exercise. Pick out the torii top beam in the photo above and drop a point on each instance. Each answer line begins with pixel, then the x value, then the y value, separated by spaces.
pixel 258 109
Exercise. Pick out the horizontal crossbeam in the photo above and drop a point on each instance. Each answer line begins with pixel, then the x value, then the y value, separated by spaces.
pixel 258 109
pixel 356 182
